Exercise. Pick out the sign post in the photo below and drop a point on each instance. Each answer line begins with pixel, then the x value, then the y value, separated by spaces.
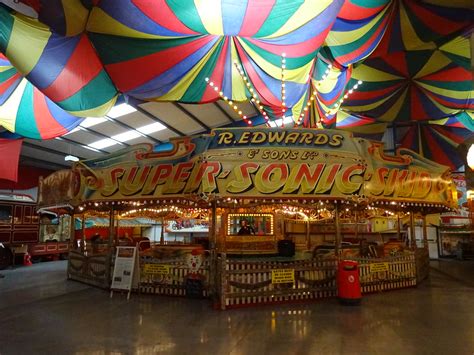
pixel 126 270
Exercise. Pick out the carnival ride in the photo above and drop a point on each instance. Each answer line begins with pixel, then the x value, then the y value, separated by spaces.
pixel 365 67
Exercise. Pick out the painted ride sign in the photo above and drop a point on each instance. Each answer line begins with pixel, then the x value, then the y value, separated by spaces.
pixel 378 267
pixel 283 276
pixel 156 269
pixel 260 162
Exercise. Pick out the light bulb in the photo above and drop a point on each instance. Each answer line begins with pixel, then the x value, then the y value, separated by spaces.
pixel 71 158
pixel 470 157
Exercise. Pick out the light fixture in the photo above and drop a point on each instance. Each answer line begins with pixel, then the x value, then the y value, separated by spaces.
pixel 120 110
pixel 151 128
pixel 71 158
pixel 470 157
pixel 126 136
pixel 103 143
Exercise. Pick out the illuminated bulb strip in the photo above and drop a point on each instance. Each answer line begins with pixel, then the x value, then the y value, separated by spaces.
pixel 283 91
pixel 255 98
pixel 229 102
pixel 338 104
pixel 312 97
pixel 306 108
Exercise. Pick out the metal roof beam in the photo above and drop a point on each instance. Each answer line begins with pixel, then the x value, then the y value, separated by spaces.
pixel 43 163
pixel 81 145
pixel 124 125
pixel 98 134
pixel 191 115
pixel 156 119
pixel 47 150
pixel 229 117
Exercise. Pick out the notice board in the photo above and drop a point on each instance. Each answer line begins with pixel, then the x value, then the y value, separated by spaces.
pixel 126 269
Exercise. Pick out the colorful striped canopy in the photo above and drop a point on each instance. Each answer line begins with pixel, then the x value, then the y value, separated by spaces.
pixel 415 56
pixel 359 28
pixel 415 26
pixel 66 69
pixel 26 111
pixel 415 85
pixel 361 126
pixel 438 139
pixel 183 43
pixel 167 54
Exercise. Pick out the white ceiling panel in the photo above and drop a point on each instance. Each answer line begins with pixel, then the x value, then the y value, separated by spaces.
pixel 135 119
pixel 209 114
pixel 82 137
pixel 109 129
pixel 174 117
pixel 164 135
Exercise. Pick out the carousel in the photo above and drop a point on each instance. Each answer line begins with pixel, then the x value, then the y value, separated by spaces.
pixel 248 216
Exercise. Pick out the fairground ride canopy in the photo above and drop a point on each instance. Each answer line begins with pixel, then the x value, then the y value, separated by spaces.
pixel 235 166
pixel 298 58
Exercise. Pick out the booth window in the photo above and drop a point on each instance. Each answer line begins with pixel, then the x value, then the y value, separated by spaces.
pixel 250 224
pixel 5 214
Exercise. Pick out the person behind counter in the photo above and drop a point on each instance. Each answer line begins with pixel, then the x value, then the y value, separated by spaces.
pixel 95 241
pixel 245 228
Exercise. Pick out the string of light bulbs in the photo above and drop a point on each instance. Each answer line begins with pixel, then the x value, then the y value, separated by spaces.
pixel 254 98
pixel 283 97
pixel 232 104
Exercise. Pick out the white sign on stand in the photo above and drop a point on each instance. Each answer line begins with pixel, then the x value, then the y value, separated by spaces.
pixel 126 270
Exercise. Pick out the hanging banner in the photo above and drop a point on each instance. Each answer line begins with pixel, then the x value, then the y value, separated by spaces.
pixel 9 158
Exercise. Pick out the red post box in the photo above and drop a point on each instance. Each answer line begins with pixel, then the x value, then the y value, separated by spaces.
pixel 348 282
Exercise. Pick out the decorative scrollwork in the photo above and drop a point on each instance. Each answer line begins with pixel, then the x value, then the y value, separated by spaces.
pixel 250 286
pixel 317 282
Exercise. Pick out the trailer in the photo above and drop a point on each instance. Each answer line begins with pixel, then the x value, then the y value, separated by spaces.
pixel 25 232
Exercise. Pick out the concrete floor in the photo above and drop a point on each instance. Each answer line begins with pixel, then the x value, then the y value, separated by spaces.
pixel 43 313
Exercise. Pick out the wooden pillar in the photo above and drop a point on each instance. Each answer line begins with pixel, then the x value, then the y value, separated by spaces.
pixel 308 235
pixel 213 229
pixel 117 233
pixel 425 233
pixel 338 237
pixel 111 227
pixel 213 269
pixel 162 236
pixel 356 217
pixel 72 232
pixel 110 251
pixel 412 230
pixel 398 225
pixel 83 233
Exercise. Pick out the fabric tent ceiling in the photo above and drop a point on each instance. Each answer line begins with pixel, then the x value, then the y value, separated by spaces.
pixel 81 55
